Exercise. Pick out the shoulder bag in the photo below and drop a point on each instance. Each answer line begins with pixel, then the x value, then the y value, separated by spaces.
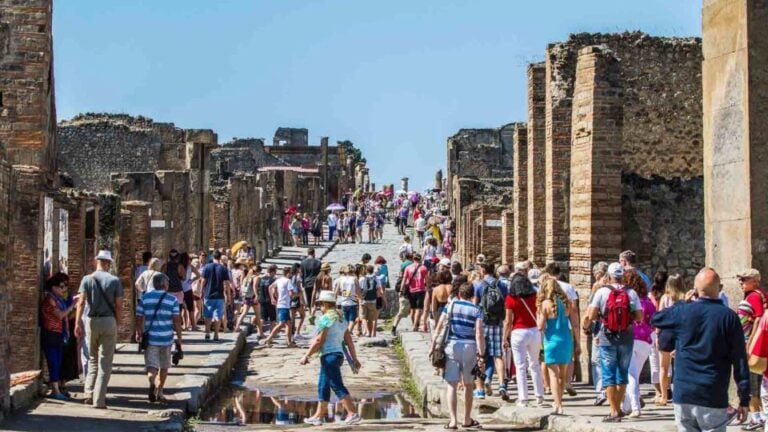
pixel 437 356
pixel 101 294
pixel 144 343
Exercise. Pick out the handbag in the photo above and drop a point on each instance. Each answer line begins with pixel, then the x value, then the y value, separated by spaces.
pixel 437 356
pixel 144 342
pixel 756 362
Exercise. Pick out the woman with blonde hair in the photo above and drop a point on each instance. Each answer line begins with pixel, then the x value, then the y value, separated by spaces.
pixel 673 293
pixel 553 307
pixel 144 281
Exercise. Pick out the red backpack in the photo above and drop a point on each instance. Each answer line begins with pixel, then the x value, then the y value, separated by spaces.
pixel 617 316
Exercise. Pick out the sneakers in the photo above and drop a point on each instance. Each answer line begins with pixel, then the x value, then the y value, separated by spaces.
pixel 522 404
pixel 59 396
pixel 488 389
pixel 540 401
pixel 753 426
pixel 314 421
pixel 634 414
pixel 479 394
pixel 353 419
pixel 600 399
pixel 503 393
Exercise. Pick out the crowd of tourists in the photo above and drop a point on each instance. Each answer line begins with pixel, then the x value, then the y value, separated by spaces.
pixel 494 328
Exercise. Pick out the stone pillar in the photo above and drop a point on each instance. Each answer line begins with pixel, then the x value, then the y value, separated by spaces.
pixel 124 265
pixel 558 160
pixel 404 184
pixel 325 168
pixel 519 216
pixel 536 138
pixel 26 263
pixel 6 187
pixel 735 77
pixel 438 180
pixel 595 226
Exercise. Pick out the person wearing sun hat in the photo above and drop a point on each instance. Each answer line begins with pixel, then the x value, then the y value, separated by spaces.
pixel 332 336
pixel 103 293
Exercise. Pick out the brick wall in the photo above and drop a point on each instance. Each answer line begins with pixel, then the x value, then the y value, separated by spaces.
pixel 507 236
pixel 490 227
pixel 557 148
pixel 518 229
pixel 595 225
pixel 536 164
pixel 26 262
pixel 6 187
pixel 78 266
pixel 140 228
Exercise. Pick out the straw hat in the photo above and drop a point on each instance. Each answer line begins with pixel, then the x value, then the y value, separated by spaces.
pixel 327 297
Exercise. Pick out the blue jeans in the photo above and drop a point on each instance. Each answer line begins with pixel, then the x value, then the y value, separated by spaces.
pixel 53 348
pixel 349 313
pixel 614 364
pixel 330 377
pixel 331 231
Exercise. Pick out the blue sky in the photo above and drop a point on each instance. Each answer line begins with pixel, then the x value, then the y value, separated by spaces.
pixel 396 77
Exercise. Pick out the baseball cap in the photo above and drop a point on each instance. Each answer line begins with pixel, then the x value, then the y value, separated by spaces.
pixel 445 262
pixel 616 270
pixel 749 274
pixel 534 275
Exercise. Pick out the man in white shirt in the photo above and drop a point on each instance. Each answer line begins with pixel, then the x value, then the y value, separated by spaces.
pixel 281 291
pixel 332 222
pixel 421 225
pixel 553 270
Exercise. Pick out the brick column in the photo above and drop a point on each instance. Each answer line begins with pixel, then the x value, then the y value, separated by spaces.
pixel 140 228
pixel 559 85
pixel 507 236
pixel 77 262
pixel 536 139
pixel 26 262
pixel 595 225
pixel 6 187
pixel 735 77
pixel 519 216
pixel 124 267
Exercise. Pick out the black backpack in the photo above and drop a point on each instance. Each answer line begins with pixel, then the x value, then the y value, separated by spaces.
pixel 369 288
pixel 492 304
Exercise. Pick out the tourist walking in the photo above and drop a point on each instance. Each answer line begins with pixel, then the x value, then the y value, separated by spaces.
pixel 490 296
pixel 250 299
pixel 190 276
pixel 641 349
pixel 710 348
pixel 217 287
pixel 464 351
pixel 415 282
pixel 675 292
pixel 310 269
pixel 403 298
pixel 372 292
pixel 440 294
pixel 281 292
pixel 591 328
pixel 298 304
pixel 103 293
pixel 750 310
pixel 268 310
pixel 332 337
pixel 54 332
pixel 616 306
pixel 323 282
pixel 143 283
pixel 553 307
pixel 176 274
pixel 522 335
pixel 157 319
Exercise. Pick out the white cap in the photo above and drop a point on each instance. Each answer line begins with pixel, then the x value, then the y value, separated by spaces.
pixel 520 265
pixel 104 255
pixel 327 296
pixel 480 259
pixel 534 275
pixel 616 270
pixel 445 262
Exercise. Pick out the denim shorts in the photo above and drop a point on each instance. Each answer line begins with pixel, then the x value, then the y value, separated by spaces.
pixel 213 309
pixel 614 363
pixel 330 377
pixel 283 314
pixel 349 313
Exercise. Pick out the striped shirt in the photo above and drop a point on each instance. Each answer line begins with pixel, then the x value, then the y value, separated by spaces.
pixel 463 319
pixel 161 329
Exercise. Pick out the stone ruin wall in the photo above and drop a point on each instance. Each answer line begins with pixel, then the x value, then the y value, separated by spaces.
pixel 661 145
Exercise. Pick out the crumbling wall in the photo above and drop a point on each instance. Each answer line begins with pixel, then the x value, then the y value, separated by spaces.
pixel 291 137
pixel 662 114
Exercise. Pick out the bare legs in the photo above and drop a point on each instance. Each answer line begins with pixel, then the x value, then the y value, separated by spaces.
pixel 557 380
pixel 453 403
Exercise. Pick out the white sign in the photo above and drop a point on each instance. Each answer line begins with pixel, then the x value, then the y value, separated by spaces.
pixel 157 224
pixel 493 223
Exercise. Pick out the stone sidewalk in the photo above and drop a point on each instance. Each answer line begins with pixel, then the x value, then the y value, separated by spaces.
pixel 580 416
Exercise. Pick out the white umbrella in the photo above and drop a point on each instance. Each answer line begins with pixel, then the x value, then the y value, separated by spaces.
pixel 335 206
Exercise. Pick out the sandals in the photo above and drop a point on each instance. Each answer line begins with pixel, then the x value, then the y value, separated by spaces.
pixel 449 427
pixel 474 425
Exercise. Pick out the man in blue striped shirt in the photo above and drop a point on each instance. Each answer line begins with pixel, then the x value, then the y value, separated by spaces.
pixel 157 317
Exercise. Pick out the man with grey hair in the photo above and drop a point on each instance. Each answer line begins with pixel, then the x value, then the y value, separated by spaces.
pixel 103 293
pixel 709 343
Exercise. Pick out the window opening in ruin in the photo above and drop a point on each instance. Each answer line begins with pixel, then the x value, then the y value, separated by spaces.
pixel 1 100
pixel 63 241
pixel 47 270
pixel 90 224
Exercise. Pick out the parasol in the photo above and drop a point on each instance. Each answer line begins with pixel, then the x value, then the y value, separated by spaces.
pixel 335 206
pixel 237 246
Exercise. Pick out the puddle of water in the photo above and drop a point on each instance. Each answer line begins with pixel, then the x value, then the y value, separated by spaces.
pixel 250 406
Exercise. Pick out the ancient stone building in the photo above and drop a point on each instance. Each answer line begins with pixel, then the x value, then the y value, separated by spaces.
pixel 291 137
pixel 140 159
pixel 633 153
pixel 735 80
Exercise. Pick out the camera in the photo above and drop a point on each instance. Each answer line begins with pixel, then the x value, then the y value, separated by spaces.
pixel 478 373
pixel 177 355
